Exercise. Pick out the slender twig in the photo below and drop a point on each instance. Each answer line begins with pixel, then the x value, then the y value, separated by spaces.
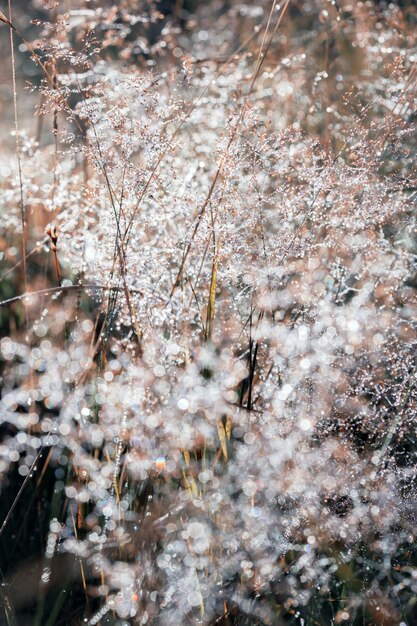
pixel 63 288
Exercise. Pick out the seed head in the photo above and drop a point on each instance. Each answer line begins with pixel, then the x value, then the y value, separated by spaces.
pixel 52 231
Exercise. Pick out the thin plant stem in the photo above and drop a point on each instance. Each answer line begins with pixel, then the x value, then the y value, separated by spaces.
pixel 18 149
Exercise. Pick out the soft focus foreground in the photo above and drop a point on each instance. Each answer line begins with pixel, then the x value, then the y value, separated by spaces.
pixel 208 399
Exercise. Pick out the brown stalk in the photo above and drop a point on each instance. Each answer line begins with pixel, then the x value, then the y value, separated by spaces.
pixel 212 294
pixel 4 19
